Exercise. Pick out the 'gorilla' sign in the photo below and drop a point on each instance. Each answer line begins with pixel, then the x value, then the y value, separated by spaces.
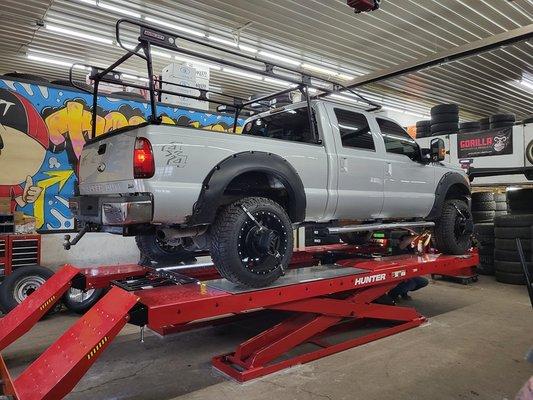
pixel 493 142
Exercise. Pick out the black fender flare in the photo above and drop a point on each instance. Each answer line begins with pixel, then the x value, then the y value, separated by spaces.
pixel 215 183
pixel 448 180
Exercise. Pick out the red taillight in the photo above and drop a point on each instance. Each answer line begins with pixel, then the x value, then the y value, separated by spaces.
pixel 143 159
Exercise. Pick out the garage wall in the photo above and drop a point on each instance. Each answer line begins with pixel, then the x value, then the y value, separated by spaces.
pixel 44 128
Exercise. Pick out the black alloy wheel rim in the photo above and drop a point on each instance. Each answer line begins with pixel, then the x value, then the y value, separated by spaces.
pixel 464 225
pixel 261 249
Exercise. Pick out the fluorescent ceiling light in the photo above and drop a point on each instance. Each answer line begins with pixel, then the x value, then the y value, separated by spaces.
pixel 526 83
pixel 318 68
pixel 278 81
pixel 91 2
pixel 161 54
pixel 54 61
pixel 247 48
pixel 79 34
pixel 176 27
pixel 135 78
pixel 279 58
pixel 345 77
pixel 242 73
pixel 197 62
pixel 119 10
pixel 222 40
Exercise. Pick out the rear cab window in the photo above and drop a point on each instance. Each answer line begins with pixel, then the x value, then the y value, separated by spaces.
pixel 397 140
pixel 291 125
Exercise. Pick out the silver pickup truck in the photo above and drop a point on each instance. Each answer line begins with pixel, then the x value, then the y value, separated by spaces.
pixel 180 189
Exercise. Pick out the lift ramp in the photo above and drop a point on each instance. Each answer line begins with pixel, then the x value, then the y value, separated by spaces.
pixel 55 373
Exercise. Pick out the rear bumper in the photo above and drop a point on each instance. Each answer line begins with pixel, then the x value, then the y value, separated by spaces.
pixel 113 210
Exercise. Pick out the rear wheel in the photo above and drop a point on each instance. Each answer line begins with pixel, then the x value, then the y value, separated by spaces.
pixel 454 228
pixel 251 241
pixel 157 250
pixel 79 301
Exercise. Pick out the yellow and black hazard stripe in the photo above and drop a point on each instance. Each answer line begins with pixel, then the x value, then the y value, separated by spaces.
pixel 47 302
pixel 95 349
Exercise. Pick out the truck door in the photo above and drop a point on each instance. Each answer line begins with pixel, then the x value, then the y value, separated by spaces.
pixel 409 184
pixel 360 164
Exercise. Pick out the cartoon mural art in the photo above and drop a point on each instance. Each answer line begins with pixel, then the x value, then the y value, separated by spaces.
pixel 42 132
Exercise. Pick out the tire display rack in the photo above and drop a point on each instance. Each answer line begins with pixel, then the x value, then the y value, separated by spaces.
pixel 328 290
pixel 18 251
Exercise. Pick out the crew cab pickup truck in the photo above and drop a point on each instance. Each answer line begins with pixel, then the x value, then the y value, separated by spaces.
pixel 240 195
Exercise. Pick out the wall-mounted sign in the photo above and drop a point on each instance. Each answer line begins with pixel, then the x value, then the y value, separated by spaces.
pixel 493 142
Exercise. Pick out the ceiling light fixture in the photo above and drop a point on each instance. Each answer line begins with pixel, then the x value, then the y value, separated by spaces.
pixel 222 40
pixel 235 71
pixel 78 34
pixel 91 2
pixel 54 61
pixel 526 83
pixel 277 81
pixel 176 27
pixel 320 69
pixel 197 62
pixel 134 77
pixel 119 10
pixel 247 48
pixel 279 58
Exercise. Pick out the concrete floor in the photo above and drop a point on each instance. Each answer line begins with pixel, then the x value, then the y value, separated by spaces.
pixel 472 348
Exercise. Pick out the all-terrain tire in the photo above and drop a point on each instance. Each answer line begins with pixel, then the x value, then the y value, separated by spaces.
pixel 444 108
pixel 484 206
pixel 520 200
pixel 502 118
pixel 483 216
pixel 511 279
pixel 510 244
pixel 482 196
pixel 512 267
pixel 484 229
pixel 444 118
pixel 507 232
pixel 510 255
pixel 450 239
pixel 151 248
pixel 513 221
pixel 226 235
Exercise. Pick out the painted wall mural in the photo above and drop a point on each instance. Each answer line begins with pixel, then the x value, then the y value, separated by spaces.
pixel 42 133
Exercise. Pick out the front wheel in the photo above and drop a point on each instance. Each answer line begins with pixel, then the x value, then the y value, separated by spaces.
pixel 251 241
pixel 454 228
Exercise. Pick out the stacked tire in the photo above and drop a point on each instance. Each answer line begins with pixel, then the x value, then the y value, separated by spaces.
pixel 501 120
pixel 518 224
pixel 469 127
pixel 483 207
pixel 484 234
pixel 444 119
pixel 423 129
pixel 507 266
pixel 500 200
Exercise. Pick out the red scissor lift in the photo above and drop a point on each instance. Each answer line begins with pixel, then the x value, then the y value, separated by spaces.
pixel 324 298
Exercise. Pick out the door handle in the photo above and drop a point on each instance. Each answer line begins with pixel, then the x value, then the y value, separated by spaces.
pixel 344 164
pixel 389 169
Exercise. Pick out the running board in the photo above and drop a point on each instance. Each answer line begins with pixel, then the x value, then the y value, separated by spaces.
pixel 55 373
pixel 377 227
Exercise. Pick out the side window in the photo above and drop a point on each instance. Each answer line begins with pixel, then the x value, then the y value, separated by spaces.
pixel 354 130
pixel 291 125
pixel 397 140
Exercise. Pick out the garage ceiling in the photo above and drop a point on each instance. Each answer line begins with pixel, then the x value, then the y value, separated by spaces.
pixel 324 33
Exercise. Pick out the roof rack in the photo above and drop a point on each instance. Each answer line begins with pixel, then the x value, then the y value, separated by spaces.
pixel 154 36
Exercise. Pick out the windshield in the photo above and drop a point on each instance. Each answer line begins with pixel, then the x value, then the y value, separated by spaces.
pixel 291 125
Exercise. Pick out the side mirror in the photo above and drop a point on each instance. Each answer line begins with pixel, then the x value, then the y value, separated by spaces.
pixel 437 150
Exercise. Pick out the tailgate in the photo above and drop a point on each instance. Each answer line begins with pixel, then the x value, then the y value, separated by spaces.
pixel 106 160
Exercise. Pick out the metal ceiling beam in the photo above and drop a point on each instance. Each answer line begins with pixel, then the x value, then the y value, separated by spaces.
pixel 469 49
